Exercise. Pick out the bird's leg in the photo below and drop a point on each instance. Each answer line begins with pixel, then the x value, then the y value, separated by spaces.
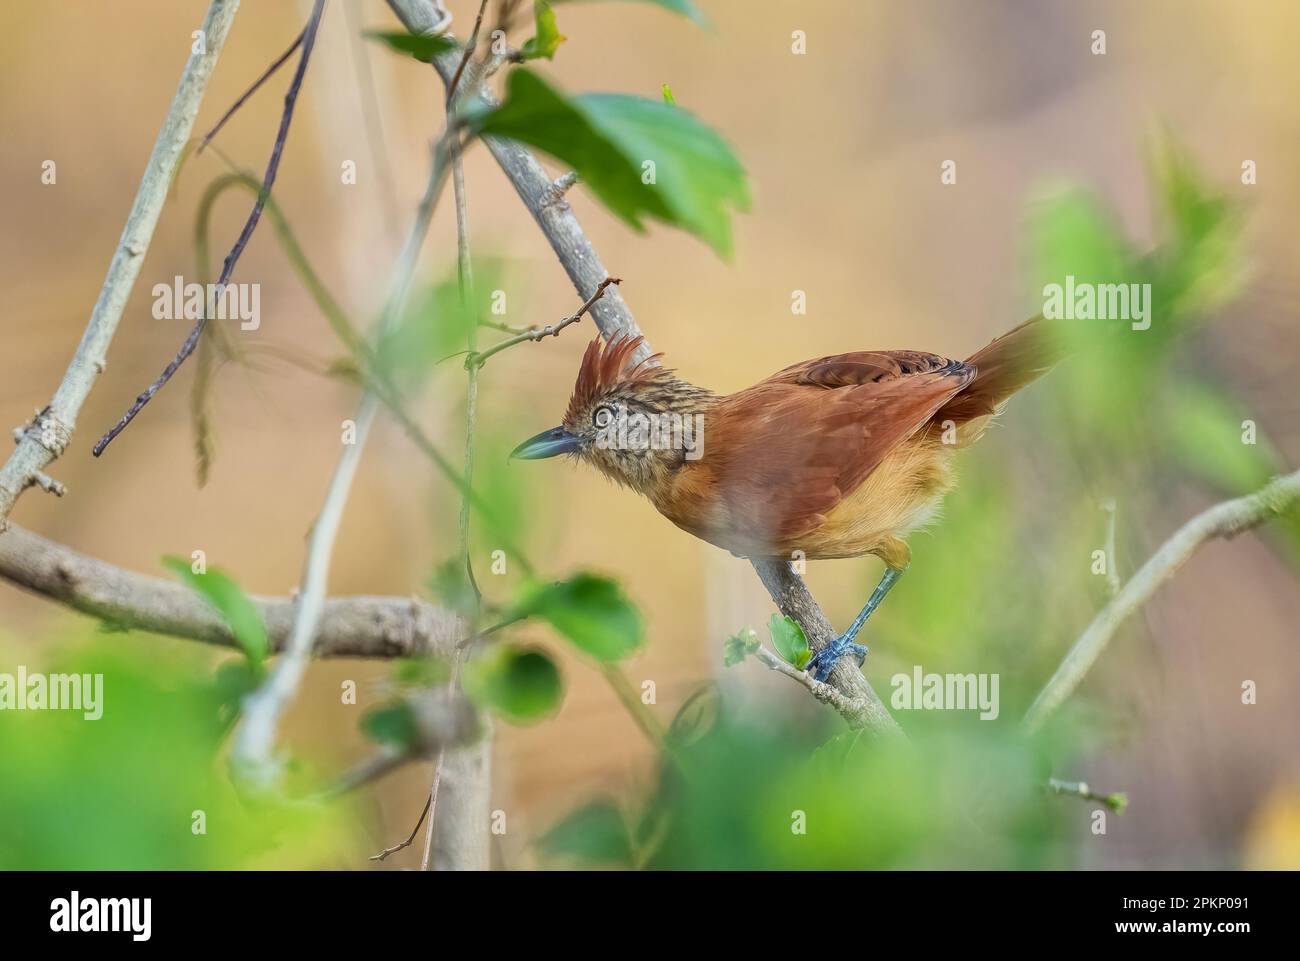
pixel 823 662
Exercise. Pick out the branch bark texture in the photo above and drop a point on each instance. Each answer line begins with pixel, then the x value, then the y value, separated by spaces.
pixel 378 627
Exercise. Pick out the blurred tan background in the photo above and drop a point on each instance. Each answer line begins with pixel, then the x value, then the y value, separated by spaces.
pixel 843 147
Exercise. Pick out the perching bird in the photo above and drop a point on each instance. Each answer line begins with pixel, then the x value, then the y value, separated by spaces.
pixel 835 457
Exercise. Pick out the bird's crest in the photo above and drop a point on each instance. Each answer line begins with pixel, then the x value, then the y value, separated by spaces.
pixel 605 365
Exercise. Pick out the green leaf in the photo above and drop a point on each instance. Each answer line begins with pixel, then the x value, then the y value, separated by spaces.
pixel 240 614
pixel 595 834
pixel 548 37
pixel 613 141
pixel 392 724
pixel 422 48
pixel 789 641
pixel 739 646
pixel 590 611
pixel 668 95
pixel 523 685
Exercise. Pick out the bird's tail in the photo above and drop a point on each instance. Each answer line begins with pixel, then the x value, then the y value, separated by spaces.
pixel 1013 361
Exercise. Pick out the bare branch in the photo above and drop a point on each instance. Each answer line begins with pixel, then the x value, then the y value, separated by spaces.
pixel 534 334
pixel 1116 801
pixel 49 436
pixel 256 85
pixel 1223 520
pixel 378 627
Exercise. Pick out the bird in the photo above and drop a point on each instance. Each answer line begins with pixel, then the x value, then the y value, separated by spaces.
pixel 837 457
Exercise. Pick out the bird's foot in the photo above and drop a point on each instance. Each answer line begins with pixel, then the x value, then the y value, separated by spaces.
pixel 824 661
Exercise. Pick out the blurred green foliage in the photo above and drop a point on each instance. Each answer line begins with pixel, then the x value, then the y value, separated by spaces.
pixel 745 796
pixel 127 791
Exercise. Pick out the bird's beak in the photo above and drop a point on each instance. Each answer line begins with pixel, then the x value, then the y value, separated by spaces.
pixel 548 443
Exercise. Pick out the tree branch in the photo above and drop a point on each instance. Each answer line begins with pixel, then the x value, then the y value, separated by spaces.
pixel 378 627
pixel 49 434
pixel 1223 520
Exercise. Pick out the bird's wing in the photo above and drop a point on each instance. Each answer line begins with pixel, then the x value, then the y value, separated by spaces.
pixel 784 452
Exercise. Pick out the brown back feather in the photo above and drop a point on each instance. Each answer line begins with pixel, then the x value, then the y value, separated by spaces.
pixel 784 452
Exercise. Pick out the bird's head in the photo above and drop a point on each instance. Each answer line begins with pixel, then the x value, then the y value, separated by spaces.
pixel 633 420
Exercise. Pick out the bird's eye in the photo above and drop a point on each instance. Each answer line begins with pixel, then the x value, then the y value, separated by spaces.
pixel 603 417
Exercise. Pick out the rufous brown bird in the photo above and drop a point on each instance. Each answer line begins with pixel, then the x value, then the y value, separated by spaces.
pixel 836 457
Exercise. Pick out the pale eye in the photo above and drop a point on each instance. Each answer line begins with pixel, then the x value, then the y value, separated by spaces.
pixel 603 417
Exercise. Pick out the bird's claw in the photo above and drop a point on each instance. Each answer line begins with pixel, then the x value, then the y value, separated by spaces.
pixel 824 661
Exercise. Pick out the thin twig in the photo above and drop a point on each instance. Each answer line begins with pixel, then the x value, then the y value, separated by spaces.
pixel 847 707
pixel 559 187
pixel 469 52
pixel 268 181
pixel 1116 801
pixel 534 334
pixel 279 62
pixel 1223 520
pixel 386 852
pixel 38 448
